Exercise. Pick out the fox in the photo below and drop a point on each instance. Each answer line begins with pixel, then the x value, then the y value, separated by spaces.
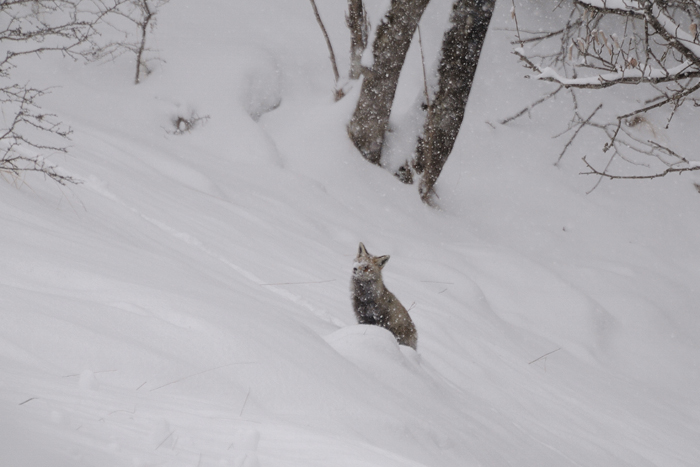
pixel 374 304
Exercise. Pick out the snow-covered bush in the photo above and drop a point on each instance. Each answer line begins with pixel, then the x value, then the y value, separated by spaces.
pixel 591 45
pixel 131 20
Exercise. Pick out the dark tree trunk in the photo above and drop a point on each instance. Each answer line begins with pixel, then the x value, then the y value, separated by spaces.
pixel 358 25
pixel 393 38
pixel 461 48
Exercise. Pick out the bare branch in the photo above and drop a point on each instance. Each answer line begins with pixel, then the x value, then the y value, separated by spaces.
pixel 544 356
pixel 20 145
pixel 328 44
pixel 627 76
pixel 594 171
pixel 147 16
pixel 121 18
pixel 531 106
pixel 422 61
pixel 580 127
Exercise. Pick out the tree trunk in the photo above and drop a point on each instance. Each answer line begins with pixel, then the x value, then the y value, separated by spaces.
pixel 461 48
pixel 371 118
pixel 356 19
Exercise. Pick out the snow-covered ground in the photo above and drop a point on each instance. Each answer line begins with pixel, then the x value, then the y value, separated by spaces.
pixel 188 304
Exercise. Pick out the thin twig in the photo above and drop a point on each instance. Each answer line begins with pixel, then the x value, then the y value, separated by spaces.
pixel 245 401
pixel 545 355
pixel 673 98
pixel 147 16
pixel 517 28
pixel 122 410
pixel 541 36
pixel 583 124
pixel 328 41
pixel 166 438
pixel 199 373
pixel 600 179
pixel 422 61
pixel 638 177
pixel 531 106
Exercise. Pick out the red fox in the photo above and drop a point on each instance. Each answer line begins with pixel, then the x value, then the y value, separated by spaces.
pixel 374 304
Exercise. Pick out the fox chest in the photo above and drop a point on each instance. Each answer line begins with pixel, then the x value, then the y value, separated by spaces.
pixel 372 305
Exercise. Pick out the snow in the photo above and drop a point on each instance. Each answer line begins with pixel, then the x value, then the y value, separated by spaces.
pixel 641 74
pixel 623 5
pixel 188 304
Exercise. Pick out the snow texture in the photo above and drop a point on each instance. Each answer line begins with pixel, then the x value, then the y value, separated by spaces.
pixel 188 304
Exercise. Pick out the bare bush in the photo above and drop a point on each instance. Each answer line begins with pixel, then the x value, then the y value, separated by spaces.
pixel 21 153
pixel 184 125
pixel 33 28
pixel 652 44
pixel 131 20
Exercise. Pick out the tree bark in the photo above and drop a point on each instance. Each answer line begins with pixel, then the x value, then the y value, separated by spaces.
pixel 461 48
pixel 371 118
pixel 356 19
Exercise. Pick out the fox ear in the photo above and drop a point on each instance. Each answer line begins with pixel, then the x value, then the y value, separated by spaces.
pixel 381 261
pixel 362 251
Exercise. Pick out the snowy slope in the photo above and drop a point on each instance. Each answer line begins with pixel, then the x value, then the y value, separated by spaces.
pixel 187 305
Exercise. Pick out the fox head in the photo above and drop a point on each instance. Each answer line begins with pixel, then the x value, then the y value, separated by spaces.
pixel 368 267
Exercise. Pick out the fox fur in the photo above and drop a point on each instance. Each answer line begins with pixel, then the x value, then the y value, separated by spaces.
pixel 374 304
